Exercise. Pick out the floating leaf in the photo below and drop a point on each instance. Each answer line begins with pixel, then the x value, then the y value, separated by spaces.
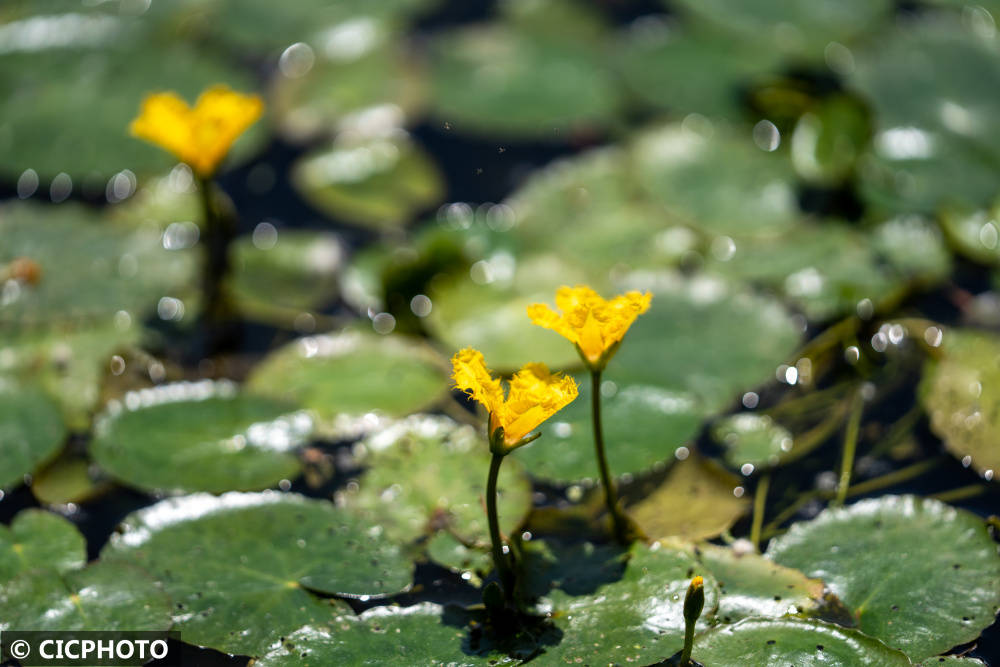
pixel 124 269
pixel 351 373
pixel 751 585
pixel 917 574
pixel 691 71
pixel 795 27
pixel 378 182
pixel 68 479
pixel 422 634
pixel 975 234
pixel 523 79
pixel 643 426
pixel 577 568
pixel 471 561
pixel 914 248
pixel 488 311
pixel 638 619
pixel 31 430
pixel 959 393
pixel 717 180
pixel 101 596
pixel 278 279
pixel 752 438
pixel 790 641
pixel 200 436
pixel 702 337
pixel 829 138
pixel 258 555
pixel 937 125
pixel 695 502
pixel 428 473
pixel 36 538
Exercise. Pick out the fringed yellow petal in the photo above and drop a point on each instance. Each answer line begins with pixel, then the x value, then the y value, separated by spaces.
pixel 201 135
pixel 594 325
pixel 471 375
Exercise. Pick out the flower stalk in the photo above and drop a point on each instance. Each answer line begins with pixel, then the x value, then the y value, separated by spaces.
pixel 694 602
pixel 618 522
pixel 501 561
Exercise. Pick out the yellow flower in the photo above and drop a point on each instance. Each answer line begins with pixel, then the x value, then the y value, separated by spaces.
pixel 594 325
pixel 534 395
pixel 200 135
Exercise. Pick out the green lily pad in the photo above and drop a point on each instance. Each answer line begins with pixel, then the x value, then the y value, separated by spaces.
pixel 364 74
pixel 351 373
pixel 823 269
pixel 696 501
pixel 69 363
pixel 424 634
pixel 471 561
pixel 101 596
pixel 68 479
pixel 917 574
pixel 638 619
pixel 702 337
pixel 576 568
pixel 588 210
pixel 31 430
pixel 717 180
pixel 259 555
pixel 199 436
pixel 914 247
pixel 487 310
pixel 125 269
pixel 378 182
pixel 691 71
pixel 794 27
pixel 276 280
pixel 973 233
pixel 829 138
pixel 938 128
pixel 38 538
pixel 752 438
pixel 643 426
pixel 50 85
pixel 752 585
pixel 959 394
pixel 427 473
pixel 790 641
pixel 540 76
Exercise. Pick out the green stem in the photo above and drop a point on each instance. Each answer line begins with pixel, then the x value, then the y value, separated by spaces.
pixel 850 447
pixel 961 493
pixel 759 503
pixel 500 561
pixel 218 232
pixel 688 645
pixel 618 521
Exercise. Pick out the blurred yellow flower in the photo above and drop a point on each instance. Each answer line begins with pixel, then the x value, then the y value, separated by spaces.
pixel 200 135
pixel 594 325
pixel 535 395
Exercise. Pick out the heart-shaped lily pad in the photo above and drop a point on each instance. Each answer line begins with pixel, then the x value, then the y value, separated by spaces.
pixel 101 596
pixel 643 426
pixel 717 180
pixel 428 473
pixel 258 556
pixel 86 267
pixel 36 538
pixel 696 501
pixel 487 310
pixel 200 436
pixel 638 619
pixel 790 641
pixel 691 71
pixel 540 76
pixel 937 139
pixel 959 393
pixel 69 363
pixel 276 279
pixel 424 634
pixel 917 574
pixel 823 269
pixel 752 585
pixel 378 182
pixel 702 337
pixel 795 27
pixel 353 373
pixel 31 430
pixel 752 438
